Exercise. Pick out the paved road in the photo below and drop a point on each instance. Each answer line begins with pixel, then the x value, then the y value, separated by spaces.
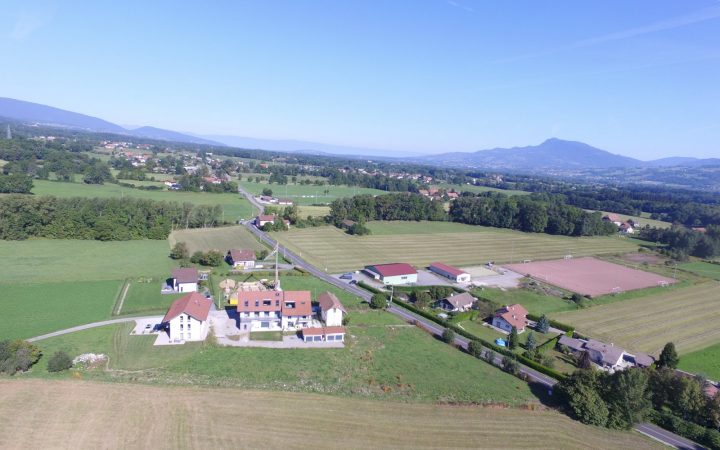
pixel 88 326
pixel 653 431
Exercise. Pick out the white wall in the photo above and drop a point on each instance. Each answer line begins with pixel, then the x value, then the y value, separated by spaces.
pixel 401 279
pixel 332 317
pixel 187 328
pixel 187 287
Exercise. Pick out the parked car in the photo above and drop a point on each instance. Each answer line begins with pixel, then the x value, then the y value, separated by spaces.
pixel 353 282
pixel 346 276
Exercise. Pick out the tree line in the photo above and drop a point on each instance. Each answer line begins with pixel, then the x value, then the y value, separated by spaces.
pixel 683 242
pixel 111 219
pixel 526 213
pixel 395 206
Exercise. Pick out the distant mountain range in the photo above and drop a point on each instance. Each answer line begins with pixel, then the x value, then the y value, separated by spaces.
pixel 553 154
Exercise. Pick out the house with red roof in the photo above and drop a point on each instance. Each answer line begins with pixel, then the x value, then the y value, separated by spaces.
pixel 241 259
pixel 187 318
pixel 510 316
pixel 450 272
pixel 392 274
pixel 262 219
pixel 274 310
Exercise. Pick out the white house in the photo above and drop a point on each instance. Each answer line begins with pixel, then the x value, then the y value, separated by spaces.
pixel 331 310
pixel 392 274
pixel 186 320
pixel 273 310
pixel 510 316
pixel 262 219
pixel 241 259
pixel 626 228
pixel 185 279
pixel 450 272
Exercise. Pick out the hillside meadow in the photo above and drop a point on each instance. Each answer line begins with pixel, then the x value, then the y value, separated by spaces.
pixel 234 206
pixel 421 243
pixel 308 194
pixel 193 417
pixel 223 239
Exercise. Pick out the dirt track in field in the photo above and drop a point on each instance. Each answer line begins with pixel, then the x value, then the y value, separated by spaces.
pixel 78 414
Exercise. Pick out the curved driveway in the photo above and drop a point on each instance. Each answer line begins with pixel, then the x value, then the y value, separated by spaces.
pixel 87 326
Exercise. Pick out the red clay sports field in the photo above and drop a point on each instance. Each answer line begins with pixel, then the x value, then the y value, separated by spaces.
pixel 589 276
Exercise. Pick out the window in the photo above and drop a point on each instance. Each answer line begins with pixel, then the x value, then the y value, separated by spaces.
pixel 181 326
pixel 181 317
pixel 265 325
pixel 246 303
pixel 267 302
pixel 257 303
pixel 277 302
pixel 189 327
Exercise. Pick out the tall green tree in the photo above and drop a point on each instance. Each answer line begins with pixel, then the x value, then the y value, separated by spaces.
pixel 581 392
pixel 179 251
pixel 531 342
pixel 513 338
pixel 543 324
pixel 628 398
pixel 378 301
pixel 668 357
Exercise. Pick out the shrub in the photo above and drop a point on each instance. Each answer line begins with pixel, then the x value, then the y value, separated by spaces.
pixel 448 336
pixel 378 301
pixel 59 362
pixel 17 356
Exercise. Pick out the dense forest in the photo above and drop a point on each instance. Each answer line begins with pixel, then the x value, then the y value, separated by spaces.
pixel 24 216
pixel 682 242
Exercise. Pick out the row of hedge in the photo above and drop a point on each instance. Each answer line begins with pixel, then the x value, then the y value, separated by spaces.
pixel 553 323
pixel 367 287
pixel 490 345
pixel 689 430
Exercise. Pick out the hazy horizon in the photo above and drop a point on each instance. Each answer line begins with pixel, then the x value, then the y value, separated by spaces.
pixel 635 79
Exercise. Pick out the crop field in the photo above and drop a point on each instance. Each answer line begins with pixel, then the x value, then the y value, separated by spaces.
pixel 686 316
pixel 308 195
pixel 234 206
pixel 315 211
pixel 421 243
pixel 703 269
pixel 43 260
pixel 38 308
pixel 705 362
pixel 125 418
pixel 223 239
pixel 590 276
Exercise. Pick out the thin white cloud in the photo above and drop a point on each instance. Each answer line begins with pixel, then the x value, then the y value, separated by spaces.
pixel 32 17
pixel 459 5
pixel 664 25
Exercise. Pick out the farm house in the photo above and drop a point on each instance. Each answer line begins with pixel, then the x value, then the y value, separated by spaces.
pixel 450 272
pixel 186 320
pixel 392 274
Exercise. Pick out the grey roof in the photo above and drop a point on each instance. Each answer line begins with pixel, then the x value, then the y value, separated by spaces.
pixel 609 353
pixel 572 343
pixel 185 274
pixel 643 360
pixel 460 300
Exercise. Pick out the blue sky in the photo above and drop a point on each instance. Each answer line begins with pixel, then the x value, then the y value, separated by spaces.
pixel 640 78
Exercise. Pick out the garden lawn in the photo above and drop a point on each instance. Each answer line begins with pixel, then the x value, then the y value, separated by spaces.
pixel 144 297
pixel 43 260
pixel 687 316
pixel 535 303
pixel 705 362
pixel 308 195
pixel 703 269
pixel 421 243
pixel 222 239
pixel 234 206
pixel 39 308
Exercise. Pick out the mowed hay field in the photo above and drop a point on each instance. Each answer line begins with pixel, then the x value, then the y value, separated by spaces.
pixel 81 414
pixel 686 316
pixel 421 243
pixel 308 195
pixel 234 206
pixel 45 260
pixel 223 239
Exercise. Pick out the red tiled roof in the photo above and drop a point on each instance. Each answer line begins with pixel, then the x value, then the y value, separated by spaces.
pixel 242 255
pixel 266 217
pixel 328 300
pixel 447 269
pixel 302 301
pixel 193 304
pixel 393 269
pixel 612 217
pixel 276 301
pixel 185 274
pixel 515 315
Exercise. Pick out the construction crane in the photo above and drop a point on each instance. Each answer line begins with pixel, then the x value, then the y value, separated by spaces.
pixel 276 253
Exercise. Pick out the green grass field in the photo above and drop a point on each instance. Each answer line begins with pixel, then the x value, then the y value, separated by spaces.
pixel 42 260
pixel 308 195
pixel 421 243
pixel 687 316
pixel 315 211
pixel 477 189
pixel 234 206
pixel 223 239
pixel 705 362
pixel 38 308
pixel 535 303
pixel 642 220
pixel 145 298
pixel 126 416
pixel 703 269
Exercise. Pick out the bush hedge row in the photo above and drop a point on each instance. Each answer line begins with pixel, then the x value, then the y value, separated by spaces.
pixel 553 323
pixel 689 430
